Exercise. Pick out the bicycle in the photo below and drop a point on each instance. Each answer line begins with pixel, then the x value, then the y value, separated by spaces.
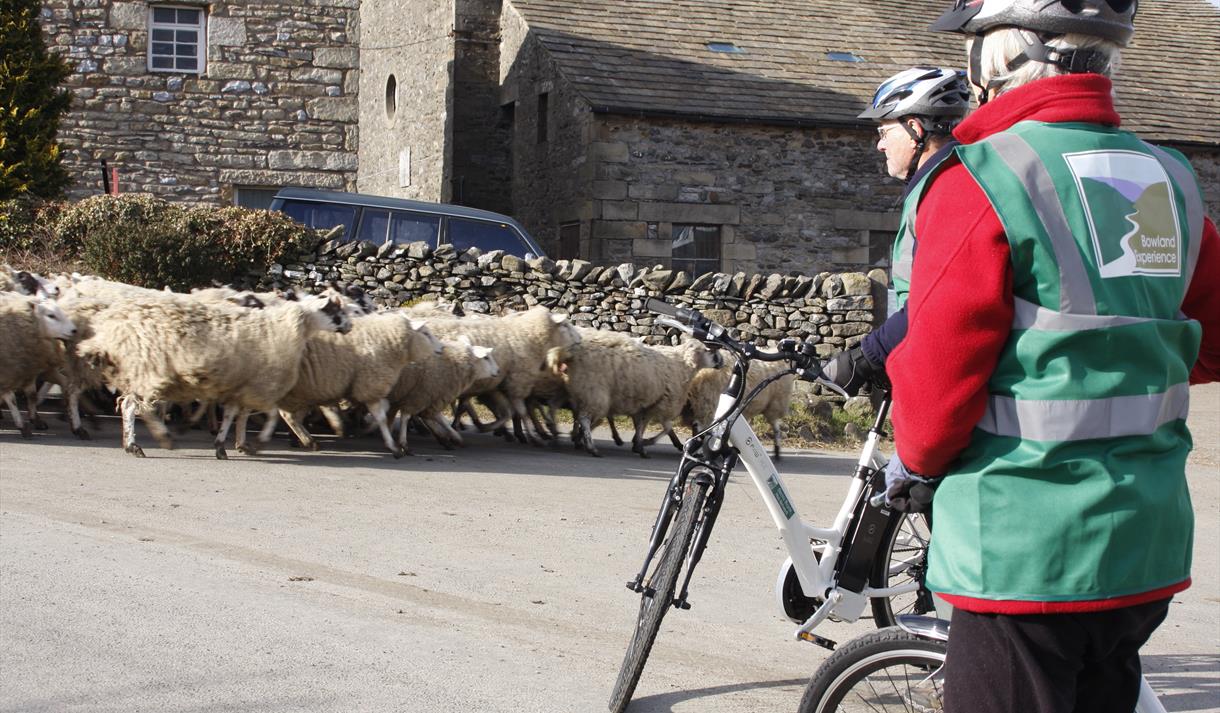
pixel 898 669
pixel 869 553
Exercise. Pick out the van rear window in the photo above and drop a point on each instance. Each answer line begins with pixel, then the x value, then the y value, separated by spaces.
pixel 322 216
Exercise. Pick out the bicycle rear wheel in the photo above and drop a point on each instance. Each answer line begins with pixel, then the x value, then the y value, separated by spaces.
pixel 884 671
pixel 662 583
pixel 903 560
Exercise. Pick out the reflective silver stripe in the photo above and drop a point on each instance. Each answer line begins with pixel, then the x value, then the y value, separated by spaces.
pixel 905 259
pixel 1194 205
pixel 1028 315
pixel 1075 293
pixel 1085 419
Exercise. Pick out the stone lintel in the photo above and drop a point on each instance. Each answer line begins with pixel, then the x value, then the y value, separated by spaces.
pixel 690 213
pixel 846 219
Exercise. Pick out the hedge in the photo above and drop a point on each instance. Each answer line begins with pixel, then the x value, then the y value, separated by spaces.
pixel 143 240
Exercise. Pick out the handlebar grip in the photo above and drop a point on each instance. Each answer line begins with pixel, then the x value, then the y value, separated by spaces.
pixel 686 316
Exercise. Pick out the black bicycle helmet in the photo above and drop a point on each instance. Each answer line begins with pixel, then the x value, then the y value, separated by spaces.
pixel 1112 20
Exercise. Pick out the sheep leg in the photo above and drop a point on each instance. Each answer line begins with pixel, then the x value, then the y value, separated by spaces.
pixel 127 407
pixel 447 437
pixel 231 412
pixel 500 406
pixel 618 440
pixel 335 419
pixel 239 434
pixel 673 438
pixel 586 435
pixel 26 432
pixel 403 421
pixel 520 416
pixel 31 405
pixel 637 440
pixel 534 408
pixel 294 424
pixel 777 432
pixel 377 411
pixel 667 426
pixel 74 415
pixel 271 419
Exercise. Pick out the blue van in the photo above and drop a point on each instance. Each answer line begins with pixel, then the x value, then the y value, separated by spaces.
pixel 380 219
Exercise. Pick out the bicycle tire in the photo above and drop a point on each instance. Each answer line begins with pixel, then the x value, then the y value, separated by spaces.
pixel 882 671
pixel 662 582
pixel 906 541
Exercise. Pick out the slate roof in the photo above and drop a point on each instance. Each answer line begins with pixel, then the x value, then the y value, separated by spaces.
pixel 650 57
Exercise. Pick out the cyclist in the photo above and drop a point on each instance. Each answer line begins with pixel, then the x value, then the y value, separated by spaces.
pixel 1054 327
pixel 917 110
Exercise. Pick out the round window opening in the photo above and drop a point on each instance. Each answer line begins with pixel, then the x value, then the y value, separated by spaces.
pixel 391 97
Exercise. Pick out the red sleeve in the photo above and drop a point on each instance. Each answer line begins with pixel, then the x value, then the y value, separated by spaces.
pixel 1203 303
pixel 960 310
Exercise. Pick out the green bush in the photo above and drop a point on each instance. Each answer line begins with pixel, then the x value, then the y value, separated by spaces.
pixel 31 104
pixel 143 240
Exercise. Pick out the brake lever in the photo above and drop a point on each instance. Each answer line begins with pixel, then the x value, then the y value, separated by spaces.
pixel 671 322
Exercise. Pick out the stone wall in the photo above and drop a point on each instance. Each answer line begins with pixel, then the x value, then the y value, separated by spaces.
pixel 836 309
pixel 786 198
pixel 552 178
pixel 275 105
pixel 405 129
pixel 1206 162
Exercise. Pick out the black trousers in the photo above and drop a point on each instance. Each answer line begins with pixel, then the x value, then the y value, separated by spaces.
pixel 1048 663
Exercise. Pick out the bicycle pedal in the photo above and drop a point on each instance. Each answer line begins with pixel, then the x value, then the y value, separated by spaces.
pixel 815 639
pixel 635 586
pixel 682 604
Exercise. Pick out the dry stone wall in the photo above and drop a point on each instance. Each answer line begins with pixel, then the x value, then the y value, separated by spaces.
pixel 836 309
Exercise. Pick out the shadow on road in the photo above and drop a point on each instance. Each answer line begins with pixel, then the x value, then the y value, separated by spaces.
pixel 663 702
pixel 1184 683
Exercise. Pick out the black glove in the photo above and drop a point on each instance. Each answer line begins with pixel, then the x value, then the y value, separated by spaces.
pixel 851 369
pixel 906 491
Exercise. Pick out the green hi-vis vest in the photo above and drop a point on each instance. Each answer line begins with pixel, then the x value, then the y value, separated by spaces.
pixel 1073 486
pixel 903 257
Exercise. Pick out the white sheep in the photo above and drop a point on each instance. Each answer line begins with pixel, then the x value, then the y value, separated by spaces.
pixel 180 350
pixel 608 373
pixel 361 367
pixel 428 386
pixel 30 328
pixel 26 283
pixel 521 341
pixel 772 403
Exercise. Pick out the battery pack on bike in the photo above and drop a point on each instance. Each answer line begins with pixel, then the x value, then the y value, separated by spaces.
pixel 865 540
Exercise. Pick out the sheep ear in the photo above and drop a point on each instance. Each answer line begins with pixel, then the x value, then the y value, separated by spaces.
pixel 559 318
pixel 417 324
pixel 465 339
pixel 481 352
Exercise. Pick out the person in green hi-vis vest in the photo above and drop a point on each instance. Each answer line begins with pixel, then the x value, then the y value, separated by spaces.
pixel 1063 300
pixel 916 110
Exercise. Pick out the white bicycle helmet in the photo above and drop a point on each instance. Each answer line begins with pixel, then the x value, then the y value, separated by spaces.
pixel 1111 20
pixel 921 91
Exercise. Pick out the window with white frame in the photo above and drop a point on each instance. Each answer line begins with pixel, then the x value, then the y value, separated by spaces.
pixel 176 40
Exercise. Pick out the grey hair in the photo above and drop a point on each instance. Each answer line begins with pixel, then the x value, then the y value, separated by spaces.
pixel 1002 44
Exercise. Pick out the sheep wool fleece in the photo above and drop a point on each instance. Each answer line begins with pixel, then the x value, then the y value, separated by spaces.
pixel 1098 463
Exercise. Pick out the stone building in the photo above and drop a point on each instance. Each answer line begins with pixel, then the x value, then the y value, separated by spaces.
pixel 707 135
pixel 216 102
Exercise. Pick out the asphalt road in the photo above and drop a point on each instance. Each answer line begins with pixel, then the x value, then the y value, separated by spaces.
pixel 490 579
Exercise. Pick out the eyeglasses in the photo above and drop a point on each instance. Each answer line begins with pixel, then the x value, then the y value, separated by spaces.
pixel 883 130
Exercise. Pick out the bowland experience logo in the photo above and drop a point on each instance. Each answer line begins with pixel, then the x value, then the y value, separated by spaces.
pixel 1131 212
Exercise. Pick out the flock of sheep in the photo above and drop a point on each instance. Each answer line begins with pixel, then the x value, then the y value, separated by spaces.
pixel 237 353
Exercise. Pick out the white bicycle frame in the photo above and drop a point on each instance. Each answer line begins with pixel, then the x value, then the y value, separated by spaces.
pixel 816 575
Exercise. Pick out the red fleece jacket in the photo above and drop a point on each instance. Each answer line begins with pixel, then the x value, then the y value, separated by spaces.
pixel 960 307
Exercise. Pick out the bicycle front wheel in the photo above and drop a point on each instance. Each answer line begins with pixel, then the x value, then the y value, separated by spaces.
pixel 659 594
pixel 884 671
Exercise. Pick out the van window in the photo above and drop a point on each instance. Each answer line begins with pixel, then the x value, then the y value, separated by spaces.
pixel 322 216
pixel 465 233
pixel 379 225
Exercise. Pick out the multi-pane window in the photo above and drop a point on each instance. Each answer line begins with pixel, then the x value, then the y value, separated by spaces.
pixel 695 249
pixel 175 39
